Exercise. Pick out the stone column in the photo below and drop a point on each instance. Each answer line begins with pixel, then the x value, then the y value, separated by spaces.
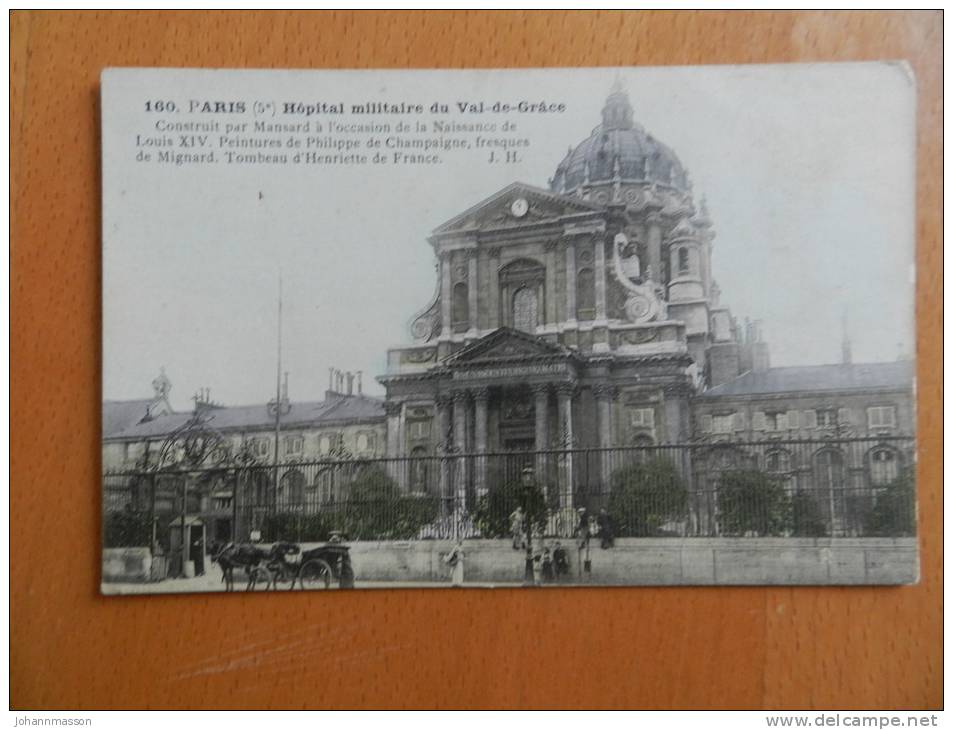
pixel 565 393
pixel 571 281
pixel 444 414
pixel 394 451
pixel 445 296
pixel 604 394
pixel 392 409
pixel 461 404
pixel 600 259
pixel 549 296
pixel 541 395
pixel 654 244
pixel 480 398
pixel 473 301
pixel 494 289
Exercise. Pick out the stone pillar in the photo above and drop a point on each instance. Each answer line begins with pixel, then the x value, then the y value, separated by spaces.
pixel 494 289
pixel 549 296
pixel 600 259
pixel 393 409
pixel 473 311
pixel 654 264
pixel 394 448
pixel 480 398
pixel 444 413
pixel 570 281
pixel 565 393
pixel 461 404
pixel 445 296
pixel 541 395
pixel 604 395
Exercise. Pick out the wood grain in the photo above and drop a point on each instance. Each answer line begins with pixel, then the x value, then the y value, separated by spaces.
pixel 612 648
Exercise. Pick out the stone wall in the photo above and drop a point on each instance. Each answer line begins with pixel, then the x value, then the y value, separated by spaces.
pixel 127 565
pixel 665 561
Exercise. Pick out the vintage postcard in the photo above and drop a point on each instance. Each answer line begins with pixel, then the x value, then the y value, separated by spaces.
pixel 606 326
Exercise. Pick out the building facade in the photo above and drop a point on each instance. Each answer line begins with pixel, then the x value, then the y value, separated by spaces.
pixel 581 315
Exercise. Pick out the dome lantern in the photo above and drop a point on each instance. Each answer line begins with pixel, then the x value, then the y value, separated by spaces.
pixel 617 112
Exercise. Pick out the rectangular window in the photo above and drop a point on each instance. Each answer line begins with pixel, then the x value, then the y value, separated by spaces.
pixel 419 429
pixel 776 421
pixel 826 418
pixel 642 418
pixel 294 445
pixel 723 423
pixel 881 417
pixel 261 447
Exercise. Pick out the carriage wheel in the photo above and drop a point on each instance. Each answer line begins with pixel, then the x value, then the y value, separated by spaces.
pixel 259 579
pixel 315 574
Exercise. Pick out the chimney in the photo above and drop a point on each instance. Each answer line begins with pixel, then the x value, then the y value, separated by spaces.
pixel 360 387
pixel 350 383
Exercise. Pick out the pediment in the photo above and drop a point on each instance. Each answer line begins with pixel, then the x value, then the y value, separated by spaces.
pixel 508 345
pixel 497 210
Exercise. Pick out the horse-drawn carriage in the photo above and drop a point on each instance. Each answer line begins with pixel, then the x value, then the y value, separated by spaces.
pixel 286 565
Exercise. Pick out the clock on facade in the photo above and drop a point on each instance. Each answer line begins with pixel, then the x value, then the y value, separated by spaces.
pixel 519 207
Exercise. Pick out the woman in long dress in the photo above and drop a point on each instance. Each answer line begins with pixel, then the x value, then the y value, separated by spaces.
pixel 455 560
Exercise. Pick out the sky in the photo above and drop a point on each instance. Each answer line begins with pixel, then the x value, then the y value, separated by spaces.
pixel 808 171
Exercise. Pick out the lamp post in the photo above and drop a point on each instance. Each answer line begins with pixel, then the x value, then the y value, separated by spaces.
pixel 528 486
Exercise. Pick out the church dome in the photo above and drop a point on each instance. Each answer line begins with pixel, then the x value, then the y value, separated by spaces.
pixel 619 146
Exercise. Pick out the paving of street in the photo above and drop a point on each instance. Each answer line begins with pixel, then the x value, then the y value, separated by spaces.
pixel 211 582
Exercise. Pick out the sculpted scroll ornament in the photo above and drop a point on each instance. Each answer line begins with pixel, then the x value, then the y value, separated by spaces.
pixel 642 303
pixel 426 324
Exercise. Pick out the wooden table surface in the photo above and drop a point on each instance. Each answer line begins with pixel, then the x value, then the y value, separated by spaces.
pixel 866 647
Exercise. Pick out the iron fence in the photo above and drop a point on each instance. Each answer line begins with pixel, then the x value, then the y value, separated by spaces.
pixel 831 487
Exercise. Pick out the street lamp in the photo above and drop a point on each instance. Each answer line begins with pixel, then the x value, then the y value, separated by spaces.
pixel 528 487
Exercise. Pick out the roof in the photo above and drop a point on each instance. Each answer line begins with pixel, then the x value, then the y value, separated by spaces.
pixel 569 202
pixel 619 141
pixel 507 343
pixel 121 414
pixel 815 378
pixel 343 408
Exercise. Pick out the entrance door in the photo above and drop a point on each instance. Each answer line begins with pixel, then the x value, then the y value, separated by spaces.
pixel 223 530
pixel 518 455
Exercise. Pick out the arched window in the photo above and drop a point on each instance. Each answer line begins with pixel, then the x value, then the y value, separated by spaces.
pixel 683 267
pixel 585 295
pixel 419 469
pixel 777 462
pixel 525 310
pixel 324 483
pixel 884 466
pixel 258 489
pixel 291 488
pixel 460 311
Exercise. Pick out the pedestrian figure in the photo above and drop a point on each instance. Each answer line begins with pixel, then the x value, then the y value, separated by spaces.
pixel 516 528
pixel 583 532
pixel 547 563
pixel 454 559
pixel 560 561
pixel 537 567
pixel 606 535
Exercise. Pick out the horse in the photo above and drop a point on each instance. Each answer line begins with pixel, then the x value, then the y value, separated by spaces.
pixel 231 555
